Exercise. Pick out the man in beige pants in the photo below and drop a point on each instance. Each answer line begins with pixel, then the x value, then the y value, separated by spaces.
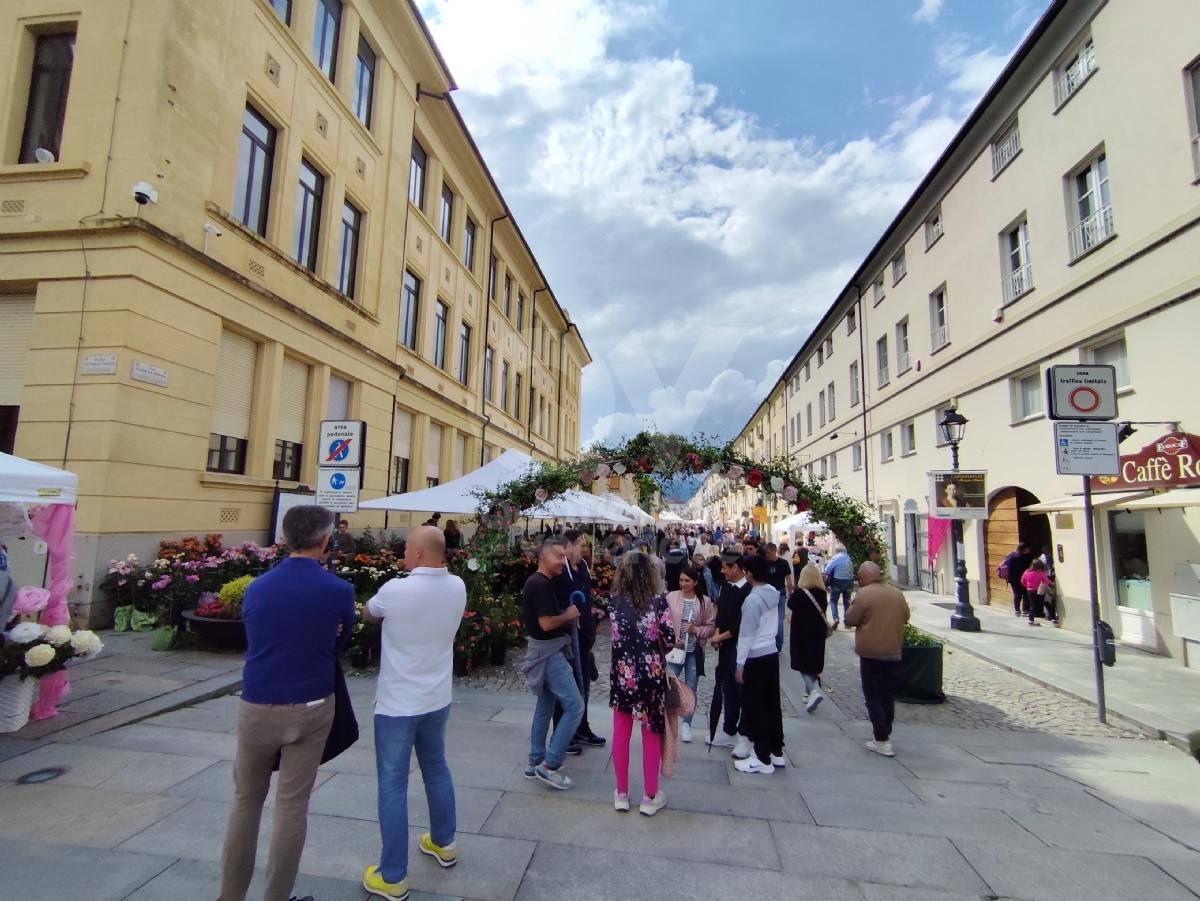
pixel 880 613
pixel 293 616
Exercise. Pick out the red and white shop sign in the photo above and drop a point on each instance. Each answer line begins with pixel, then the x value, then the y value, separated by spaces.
pixel 1173 461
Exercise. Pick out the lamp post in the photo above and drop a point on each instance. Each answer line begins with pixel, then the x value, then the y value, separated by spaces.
pixel 954 428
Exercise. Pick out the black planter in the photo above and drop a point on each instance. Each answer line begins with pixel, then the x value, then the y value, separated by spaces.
pixel 361 658
pixel 919 676
pixel 497 655
pixel 460 666
pixel 222 634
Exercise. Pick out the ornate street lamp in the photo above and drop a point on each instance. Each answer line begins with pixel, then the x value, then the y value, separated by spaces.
pixel 954 429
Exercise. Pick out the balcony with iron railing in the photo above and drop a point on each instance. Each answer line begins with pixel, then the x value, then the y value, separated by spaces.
pixel 1072 77
pixel 1005 150
pixel 1091 232
pixel 940 337
pixel 902 363
pixel 1017 283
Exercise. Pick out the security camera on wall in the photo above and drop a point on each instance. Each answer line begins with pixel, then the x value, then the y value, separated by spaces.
pixel 144 194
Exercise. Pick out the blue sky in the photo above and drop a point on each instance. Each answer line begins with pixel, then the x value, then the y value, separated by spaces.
pixel 698 179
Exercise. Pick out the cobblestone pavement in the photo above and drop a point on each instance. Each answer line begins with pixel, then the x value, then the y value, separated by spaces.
pixel 979 695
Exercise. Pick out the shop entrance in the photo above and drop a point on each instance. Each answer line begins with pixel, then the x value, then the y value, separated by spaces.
pixel 1007 526
pixel 1131 574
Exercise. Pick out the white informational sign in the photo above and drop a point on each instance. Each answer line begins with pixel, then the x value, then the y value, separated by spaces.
pixel 958 495
pixel 104 364
pixel 287 500
pixel 144 372
pixel 337 489
pixel 1082 393
pixel 1086 449
pixel 341 443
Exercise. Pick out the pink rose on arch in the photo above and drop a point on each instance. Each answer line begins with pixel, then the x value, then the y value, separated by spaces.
pixel 541 494
pixel 858 530
pixel 735 471
pixel 789 493
pixel 603 471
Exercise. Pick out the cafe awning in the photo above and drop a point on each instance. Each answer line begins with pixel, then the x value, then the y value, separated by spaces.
pixel 1075 502
pixel 1177 497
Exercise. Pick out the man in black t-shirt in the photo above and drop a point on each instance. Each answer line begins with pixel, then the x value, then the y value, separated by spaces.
pixel 779 577
pixel 724 639
pixel 548 665
pixel 576 576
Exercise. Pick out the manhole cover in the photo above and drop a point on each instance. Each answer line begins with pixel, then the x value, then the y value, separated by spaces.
pixel 45 775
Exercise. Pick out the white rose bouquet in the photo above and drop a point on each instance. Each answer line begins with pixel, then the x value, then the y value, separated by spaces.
pixel 33 650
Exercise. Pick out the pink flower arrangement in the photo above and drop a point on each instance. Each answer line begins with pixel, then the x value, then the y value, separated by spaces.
pixel 541 494
pixel 603 471
pixel 30 600
pixel 789 493
pixel 735 471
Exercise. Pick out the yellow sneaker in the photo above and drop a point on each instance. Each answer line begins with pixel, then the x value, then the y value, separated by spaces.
pixel 446 857
pixel 393 891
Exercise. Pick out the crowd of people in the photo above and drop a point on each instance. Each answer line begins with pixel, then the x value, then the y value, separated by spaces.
pixel 673 596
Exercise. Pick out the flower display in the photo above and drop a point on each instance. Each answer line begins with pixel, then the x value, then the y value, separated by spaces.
pixel 541 494
pixel 39 655
pixel 30 600
pixel 603 471
pixel 473 565
pixel 587 477
pixel 735 471
pixel 776 484
pixel 24 633
pixel 619 469
pixel 789 493
pixel 754 478
pixel 59 635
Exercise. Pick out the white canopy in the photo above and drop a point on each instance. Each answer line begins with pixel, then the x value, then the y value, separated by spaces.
pixel 669 516
pixel 638 515
pixel 579 506
pixel 23 481
pixel 799 522
pixel 457 496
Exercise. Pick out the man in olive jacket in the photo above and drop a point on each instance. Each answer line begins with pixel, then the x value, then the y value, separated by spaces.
pixel 879 614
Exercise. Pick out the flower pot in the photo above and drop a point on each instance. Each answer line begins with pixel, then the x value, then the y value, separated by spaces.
pixel 16 697
pixel 360 658
pixel 460 666
pixel 497 655
pixel 919 676
pixel 221 634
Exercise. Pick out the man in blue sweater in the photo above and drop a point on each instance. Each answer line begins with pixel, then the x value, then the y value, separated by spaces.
pixel 294 616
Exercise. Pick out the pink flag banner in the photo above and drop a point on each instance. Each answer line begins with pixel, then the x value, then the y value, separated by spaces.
pixel 938 529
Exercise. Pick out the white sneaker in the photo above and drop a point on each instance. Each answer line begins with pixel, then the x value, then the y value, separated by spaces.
pixel 721 741
pixel 778 760
pixel 880 747
pixel 813 700
pixel 753 765
pixel 743 748
pixel 619 803
pixel 685 732
pixel 651 806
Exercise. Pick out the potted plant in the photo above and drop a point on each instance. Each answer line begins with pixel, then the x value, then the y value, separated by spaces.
pixel 30 651
pixel 467 643
pixel 365 641
pixel 919 676
pixel 217 618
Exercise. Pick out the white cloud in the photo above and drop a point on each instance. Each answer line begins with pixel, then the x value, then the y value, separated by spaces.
pixel 929 11
pixel 971 73
pixel 656 209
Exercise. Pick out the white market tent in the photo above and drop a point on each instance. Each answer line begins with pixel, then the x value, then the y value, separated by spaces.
pixel 579 506
pixel 638 515
pixel 23 481
pixel 457 496
pixel 799 522
pixel 670 517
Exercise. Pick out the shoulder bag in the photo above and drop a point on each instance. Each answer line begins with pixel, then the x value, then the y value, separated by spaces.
pixel 824 616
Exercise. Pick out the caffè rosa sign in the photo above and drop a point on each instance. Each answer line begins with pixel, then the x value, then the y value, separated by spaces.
pixel 1172 461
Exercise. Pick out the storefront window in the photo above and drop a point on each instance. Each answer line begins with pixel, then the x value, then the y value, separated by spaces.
pixel 1130 560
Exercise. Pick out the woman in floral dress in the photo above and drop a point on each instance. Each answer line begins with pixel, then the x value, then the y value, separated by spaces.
pixel 637 679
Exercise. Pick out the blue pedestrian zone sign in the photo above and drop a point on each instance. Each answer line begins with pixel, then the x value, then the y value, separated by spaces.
pixel 341 443
pixel 337 481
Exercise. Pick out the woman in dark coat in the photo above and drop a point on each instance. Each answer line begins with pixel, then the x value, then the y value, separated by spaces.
pixel 808 604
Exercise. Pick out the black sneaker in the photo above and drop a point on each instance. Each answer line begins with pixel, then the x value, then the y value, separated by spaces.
pixel 574 749
pixel 591 739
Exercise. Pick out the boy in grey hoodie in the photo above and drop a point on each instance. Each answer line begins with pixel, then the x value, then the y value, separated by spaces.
pixel 758 672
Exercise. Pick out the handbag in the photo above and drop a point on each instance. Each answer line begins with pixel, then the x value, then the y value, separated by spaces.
pixel 678 656
pixel 824 616
pixel 343 731
pixel 680 700
pixel 1043 589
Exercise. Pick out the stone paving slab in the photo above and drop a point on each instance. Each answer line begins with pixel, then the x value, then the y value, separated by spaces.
pixel 215 783
pixel 33 870
pixel 109 769
pixel 79 816
pixel 167 740
pixel 1105 835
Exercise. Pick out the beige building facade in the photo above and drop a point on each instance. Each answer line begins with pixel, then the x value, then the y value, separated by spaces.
pixel 1059 227
pixel 323 240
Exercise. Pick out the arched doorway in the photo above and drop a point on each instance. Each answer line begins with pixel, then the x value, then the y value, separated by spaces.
pixel 1007 526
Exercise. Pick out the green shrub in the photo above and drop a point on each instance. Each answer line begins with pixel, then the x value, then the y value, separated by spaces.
pixel 915 638
pixel 232 593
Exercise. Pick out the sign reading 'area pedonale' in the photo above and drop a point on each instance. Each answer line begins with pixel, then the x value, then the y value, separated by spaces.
pixel 1173 461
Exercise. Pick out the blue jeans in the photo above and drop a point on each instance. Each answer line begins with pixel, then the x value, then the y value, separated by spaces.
pixel 560 686
pixel 690 679
pixel 782 614
pixel 842 587
pixel 395 738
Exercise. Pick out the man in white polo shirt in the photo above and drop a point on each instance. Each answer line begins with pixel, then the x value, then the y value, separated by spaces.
pixel 420 616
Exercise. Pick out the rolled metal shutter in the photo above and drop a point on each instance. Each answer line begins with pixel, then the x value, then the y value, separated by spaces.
pixel 402 435
pixel 16 331
pixel 339 398
pixel 233 396
pixel 433 451
pixel 460 453
pixel 293 401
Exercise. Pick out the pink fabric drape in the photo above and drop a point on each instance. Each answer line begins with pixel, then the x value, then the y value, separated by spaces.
pixel 55 524
pixel 938 530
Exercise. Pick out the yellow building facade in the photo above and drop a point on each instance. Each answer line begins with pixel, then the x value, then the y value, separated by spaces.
pixel 321 239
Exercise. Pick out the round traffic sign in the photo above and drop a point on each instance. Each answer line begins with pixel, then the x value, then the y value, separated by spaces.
pixel 337 481
pixel 1084 399
pixel 339 449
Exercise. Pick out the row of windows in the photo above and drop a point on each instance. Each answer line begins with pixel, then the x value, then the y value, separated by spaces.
pixel 253 196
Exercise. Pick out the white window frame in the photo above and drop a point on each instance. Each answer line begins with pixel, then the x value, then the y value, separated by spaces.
pixel 878 293
pixel 821 407
pixel 1106 342
pixel 832 402
pixel 1095 228
pixel 855 390
pixel 908 438
pixel 939 308
pixel 1021 413
pixel 882 361
pixel 856 456
pixel 828 347
pixel 1006 148
pixel 1018 271
pixel 903 363
pixel 1191 87
pixel 935 227
pixel 851 321
pixel 1074 73
pixel 899 267
pixel 886 447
